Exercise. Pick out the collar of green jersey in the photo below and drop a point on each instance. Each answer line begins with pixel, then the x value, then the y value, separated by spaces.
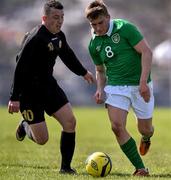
pixel 111 23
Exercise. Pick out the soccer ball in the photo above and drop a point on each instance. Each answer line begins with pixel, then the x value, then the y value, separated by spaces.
pixel 98 164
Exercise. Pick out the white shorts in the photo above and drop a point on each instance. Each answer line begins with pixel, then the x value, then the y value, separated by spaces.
pixel 125 97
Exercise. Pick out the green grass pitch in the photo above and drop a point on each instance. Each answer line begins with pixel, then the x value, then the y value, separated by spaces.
pixel 29 161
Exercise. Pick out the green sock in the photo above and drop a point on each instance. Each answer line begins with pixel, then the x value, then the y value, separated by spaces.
pixel 130 150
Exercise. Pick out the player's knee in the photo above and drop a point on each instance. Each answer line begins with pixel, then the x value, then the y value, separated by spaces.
pixel 42 140
pixel 117 128
pixel 70 124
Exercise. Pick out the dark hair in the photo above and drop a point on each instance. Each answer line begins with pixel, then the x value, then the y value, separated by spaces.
pixel 51 4
pixel 95 9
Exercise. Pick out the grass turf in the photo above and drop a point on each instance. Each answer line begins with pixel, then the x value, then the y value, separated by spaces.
pixel 27 160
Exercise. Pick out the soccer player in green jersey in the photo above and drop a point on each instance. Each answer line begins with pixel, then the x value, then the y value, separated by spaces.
pixel 122 60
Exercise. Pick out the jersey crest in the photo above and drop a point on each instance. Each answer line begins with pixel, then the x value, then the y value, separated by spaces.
pixel 115 38
pixel 50 46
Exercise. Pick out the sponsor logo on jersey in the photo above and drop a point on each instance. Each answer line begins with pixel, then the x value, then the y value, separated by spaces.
pixel 54 38
pixel 115 38
pixel 50 46
pixel 98 48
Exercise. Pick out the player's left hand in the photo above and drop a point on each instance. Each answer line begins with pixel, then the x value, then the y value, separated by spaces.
pixel 89 77
pixel 145 92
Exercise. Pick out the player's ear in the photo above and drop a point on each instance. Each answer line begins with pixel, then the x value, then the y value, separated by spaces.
pixel 44 18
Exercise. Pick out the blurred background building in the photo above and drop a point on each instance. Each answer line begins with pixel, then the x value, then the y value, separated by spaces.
pixel 152 17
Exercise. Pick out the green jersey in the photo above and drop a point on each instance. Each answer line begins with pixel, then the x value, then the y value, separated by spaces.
pixel 116 51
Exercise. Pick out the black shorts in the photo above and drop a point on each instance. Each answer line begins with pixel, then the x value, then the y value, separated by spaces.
pixel 35 102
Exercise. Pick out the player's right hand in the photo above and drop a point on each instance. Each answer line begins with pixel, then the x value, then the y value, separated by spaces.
pixel 13 106
pixel 144 92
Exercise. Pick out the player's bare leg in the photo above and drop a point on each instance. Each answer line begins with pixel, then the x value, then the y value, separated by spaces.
pixel 127 143
pixel 39 132
pixel 36 132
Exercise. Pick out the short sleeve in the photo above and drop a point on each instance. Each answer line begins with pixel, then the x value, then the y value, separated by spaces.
pixel 132 33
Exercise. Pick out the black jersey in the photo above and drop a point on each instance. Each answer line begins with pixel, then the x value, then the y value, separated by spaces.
pixel 36 59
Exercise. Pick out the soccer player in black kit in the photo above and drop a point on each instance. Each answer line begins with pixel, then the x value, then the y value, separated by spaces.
pixel 35 90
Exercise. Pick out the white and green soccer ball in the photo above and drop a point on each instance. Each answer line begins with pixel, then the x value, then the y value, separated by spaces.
pixel 98 164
